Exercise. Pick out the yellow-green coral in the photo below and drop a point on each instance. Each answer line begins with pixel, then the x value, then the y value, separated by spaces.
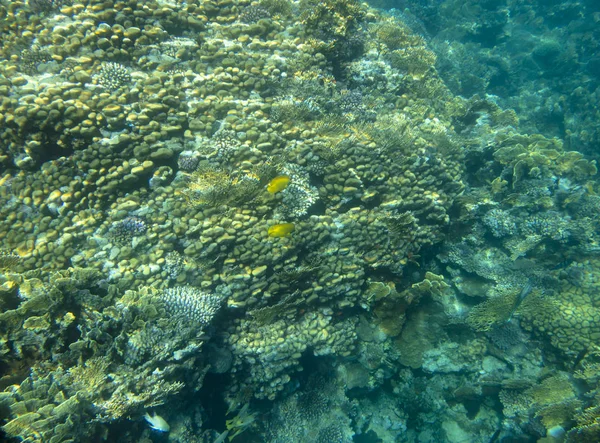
pixel 492 311
pixel 8 260
pixel 281 8
pixel 90 375
pixel 213 186
pixel 560 413
pixel 416 60
pixel 537 156
pixel 554 389
pixel 330 16
pixel 570 317
pixel 395 35
pixel 588 423
pixel 573 326
pixel 555 399
pixel 432 283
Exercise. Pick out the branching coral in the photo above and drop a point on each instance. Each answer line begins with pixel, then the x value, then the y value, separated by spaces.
pixel 211 186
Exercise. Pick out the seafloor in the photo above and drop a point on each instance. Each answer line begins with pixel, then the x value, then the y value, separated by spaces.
pixel 299 221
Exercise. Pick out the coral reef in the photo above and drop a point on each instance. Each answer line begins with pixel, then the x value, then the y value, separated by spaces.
pixel 220 211
pixel 536 58
pixel 109 369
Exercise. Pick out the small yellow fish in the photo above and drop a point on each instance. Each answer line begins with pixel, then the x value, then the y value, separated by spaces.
pixel 281 230
pixel 278 184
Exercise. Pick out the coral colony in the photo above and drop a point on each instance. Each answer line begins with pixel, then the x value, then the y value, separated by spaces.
pixel 299 221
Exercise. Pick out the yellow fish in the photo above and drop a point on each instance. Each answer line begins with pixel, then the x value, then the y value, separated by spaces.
pixel 281 230
pixel 278 184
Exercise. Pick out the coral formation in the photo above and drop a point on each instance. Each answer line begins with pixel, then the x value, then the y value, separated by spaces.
pixel 216 211
pixel 112 75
